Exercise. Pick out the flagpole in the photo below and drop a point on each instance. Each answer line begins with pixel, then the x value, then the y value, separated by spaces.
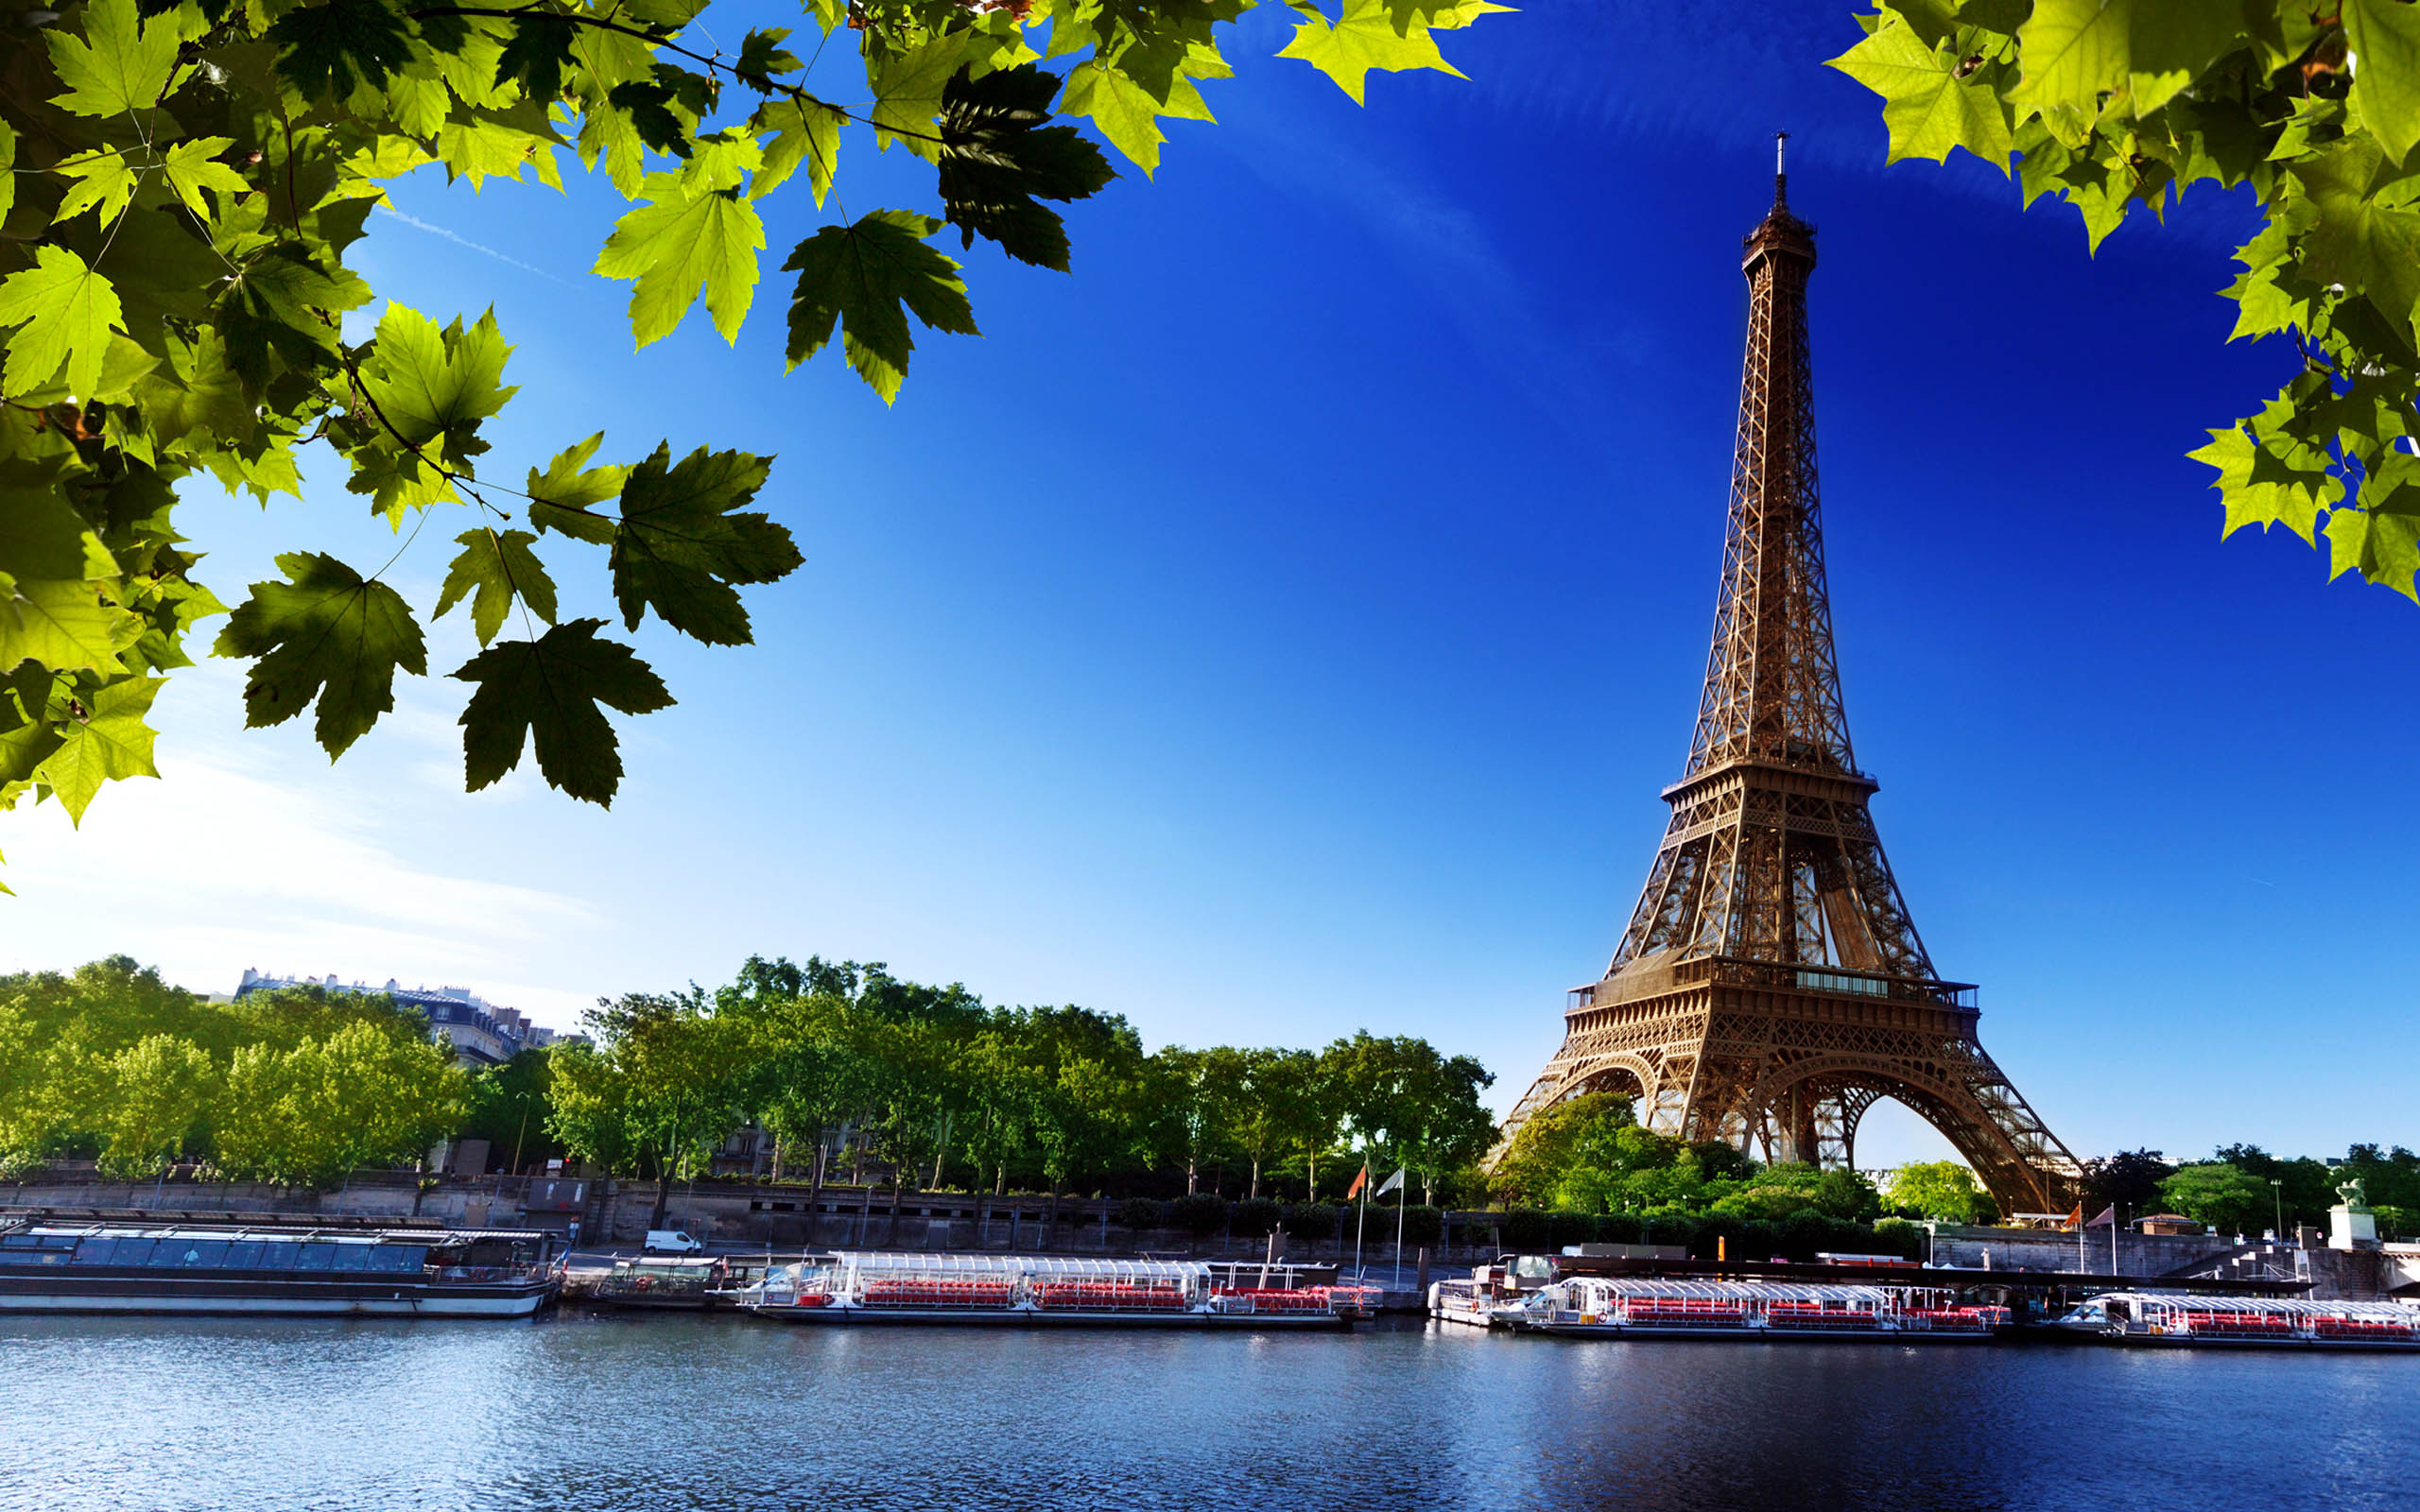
pixel 1402 1197
pixel 1361 1223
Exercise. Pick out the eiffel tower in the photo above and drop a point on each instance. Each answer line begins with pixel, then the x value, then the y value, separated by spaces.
pixel 1772 985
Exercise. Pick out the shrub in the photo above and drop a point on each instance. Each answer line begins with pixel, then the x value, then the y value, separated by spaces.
pixel 1570 1228
pixel 1525 1230
pixel 1421 1226
pixel 1255 1216
pixel 1310 1220
pixel 1673 1228
pixel 1197 1212
pixel 1897 1236
pixel 1621 1229
pixel 1758 1239
pixel 1140 1212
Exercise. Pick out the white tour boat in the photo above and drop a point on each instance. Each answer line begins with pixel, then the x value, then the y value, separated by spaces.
pixel 1038 1291
pixel 1628 1308
pixel 2176 1320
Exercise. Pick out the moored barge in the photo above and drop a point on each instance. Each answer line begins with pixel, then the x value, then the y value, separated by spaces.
pixel 1638 1308
pixel 1038 1291
pixel 2188 1319
pixel 275 1272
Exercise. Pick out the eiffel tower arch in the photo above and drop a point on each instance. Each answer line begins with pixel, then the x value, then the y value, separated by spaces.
pixel 1772 986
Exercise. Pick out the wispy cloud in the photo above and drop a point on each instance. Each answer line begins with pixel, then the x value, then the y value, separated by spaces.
pixel 460 240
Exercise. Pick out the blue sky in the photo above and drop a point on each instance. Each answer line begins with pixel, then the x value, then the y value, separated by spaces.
pixel 1283 624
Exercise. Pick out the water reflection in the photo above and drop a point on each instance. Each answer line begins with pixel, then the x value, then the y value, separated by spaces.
pixel 604 1413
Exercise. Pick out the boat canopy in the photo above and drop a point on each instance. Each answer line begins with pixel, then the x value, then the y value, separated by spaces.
pixel 2405 1312
pixel 909 1264
pixel 1740 1290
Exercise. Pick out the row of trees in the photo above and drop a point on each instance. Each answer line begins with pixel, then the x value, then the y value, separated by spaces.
pixel 2244 1189
pixel 845 1063
pixel 298 1085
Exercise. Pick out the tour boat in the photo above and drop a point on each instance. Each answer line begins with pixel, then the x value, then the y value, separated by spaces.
pixel 1496 1296
pixel 1035 1291
pixel 1620 1307
pixel 2173 1320
pixel 288 1272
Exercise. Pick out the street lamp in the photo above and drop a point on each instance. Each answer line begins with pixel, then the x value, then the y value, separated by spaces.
pixel 2277 1192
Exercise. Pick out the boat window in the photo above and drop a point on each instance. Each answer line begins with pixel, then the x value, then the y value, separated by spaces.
pixel 95 1251
pixel 132 1252
pixel 352 1257
pixel 313 1257
pixel 281 1254
pixel 397 1257
pixel 245 1254
pixel 210 1252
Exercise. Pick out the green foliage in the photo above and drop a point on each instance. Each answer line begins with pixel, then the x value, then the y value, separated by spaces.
pixel 1254 1217
pixel 1138 1213
pixel 2228 1198
pixel 1197 1212
pixel 184 182
pixel 2110 104
pixel 296 1086
pixel 1942 1190
pixel 1311 1220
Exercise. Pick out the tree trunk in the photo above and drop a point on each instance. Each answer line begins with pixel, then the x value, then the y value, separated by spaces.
pixel 898 1179
pixel 1311 1182
pixel 663 1193
pixel 1255 1180
pixel 1051 1225
pixel 1192 1178
pixel 941 1152
pixel 815 1197
pixel 865 1201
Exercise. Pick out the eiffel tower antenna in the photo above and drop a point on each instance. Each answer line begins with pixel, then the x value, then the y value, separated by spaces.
pixel 1772 985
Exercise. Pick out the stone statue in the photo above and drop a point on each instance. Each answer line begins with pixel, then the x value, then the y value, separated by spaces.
pixel 2351 1191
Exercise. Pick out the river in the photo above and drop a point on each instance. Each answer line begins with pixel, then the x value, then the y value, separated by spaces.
pixel 606 1413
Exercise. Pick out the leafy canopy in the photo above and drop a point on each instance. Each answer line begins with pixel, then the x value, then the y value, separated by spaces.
pixel 183 181
pixel 2315 106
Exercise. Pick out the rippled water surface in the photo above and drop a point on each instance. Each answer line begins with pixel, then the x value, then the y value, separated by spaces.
pixel 613 1412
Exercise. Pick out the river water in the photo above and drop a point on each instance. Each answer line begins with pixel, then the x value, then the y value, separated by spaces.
pixel 606 1413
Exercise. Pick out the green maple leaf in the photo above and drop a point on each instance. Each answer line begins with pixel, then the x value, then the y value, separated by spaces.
pixel 2385 39
pixel 120 66
pixel 761 55
pixel 104 182
pixel 64 624
pixel 1927 107
pixel 196 390
pixel 1365 37
pixel 40 535
pixel 2384 548
pixel 434 387
pixel 1128 113
pixel 2259 486
pixel 7 168
pixel 998 156
pixel 909 86
pixel 324 634
pixel 273 308
pixel 867 277
pixel 802 132
pixel 690 236
pixel 537 53
pixel 107 742
pixel 191 167
pixel 65 313
pixel 560 497
pixel 497 566
pixel 2367 235
pixel 548 690
pixel 328 48
pixel 2072 52
pixel 680 547
pixel 2171 42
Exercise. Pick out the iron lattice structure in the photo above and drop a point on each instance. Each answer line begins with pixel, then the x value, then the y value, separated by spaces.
pixel 1772 986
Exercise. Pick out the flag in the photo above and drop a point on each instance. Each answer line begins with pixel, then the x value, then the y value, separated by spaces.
pixel 1358 1182
pixel 1393 1183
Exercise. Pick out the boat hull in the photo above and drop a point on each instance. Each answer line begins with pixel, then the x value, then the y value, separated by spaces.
pixel 1641 1330
pixel 204 1302
pixel 1039 1318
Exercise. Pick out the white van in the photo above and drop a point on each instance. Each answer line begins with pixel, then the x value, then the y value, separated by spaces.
pixel 671 1241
